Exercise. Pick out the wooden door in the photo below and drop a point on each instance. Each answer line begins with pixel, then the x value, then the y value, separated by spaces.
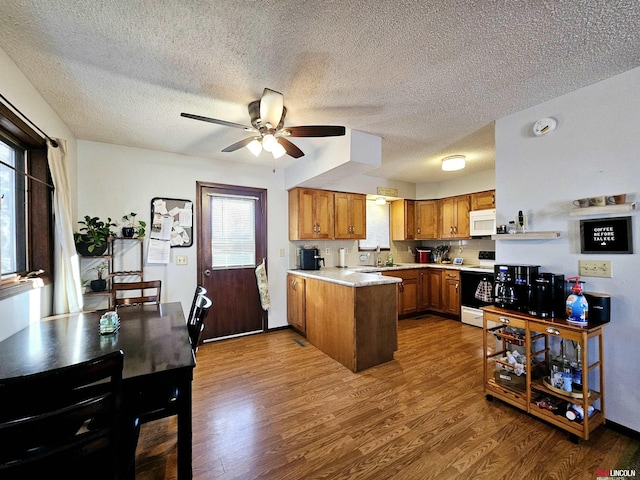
pixel 296 316
pixel 434 301
pixel 461 226
pixel 342 215
pixel 447 213
pixel 323 214
pixel 483 200
pixel 451 292
pixel 427 219
pixel 232 242
pixel 358 216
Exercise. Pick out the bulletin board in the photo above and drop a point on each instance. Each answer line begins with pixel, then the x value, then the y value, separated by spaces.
pixel 172 221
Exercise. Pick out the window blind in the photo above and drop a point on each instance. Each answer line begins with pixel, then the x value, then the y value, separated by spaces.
pixel 378 217
pixel 233 231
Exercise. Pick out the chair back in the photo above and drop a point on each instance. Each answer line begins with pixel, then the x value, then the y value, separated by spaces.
pixel 45 422
pixel 196 324
pixel 136 293
pixel 200 291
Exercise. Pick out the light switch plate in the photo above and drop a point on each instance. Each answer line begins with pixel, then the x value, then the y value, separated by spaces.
pixel 182 260
pixel 595 268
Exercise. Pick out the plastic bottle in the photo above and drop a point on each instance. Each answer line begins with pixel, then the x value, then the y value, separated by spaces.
pixel 577 307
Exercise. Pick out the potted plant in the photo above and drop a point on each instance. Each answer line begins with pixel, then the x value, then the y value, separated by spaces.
pixel 91 238
pixel 132 227
pixel 100 284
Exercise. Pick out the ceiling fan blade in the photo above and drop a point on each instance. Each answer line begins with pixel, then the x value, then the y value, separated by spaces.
pixel 314 131
pixel 271 107
pixel 291 149
pixel 219 122
pixel 240 144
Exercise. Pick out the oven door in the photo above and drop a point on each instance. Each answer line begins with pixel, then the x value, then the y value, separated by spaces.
pixel 470 312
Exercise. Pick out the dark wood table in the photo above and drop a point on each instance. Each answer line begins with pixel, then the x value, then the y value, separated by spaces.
pixel 156 347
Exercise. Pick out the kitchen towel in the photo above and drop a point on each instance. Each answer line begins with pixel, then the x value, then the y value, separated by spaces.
pixel 263 286
pixel 484 291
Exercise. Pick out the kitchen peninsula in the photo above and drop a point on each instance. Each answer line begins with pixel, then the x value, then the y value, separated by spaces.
pixel 349 315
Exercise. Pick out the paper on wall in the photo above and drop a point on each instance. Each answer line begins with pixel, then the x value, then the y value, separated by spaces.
pixel 159 251
pixel 159 207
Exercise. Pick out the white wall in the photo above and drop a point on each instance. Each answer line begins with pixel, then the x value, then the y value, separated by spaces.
pixel 593 151
pixel 114 179
pixel 15 312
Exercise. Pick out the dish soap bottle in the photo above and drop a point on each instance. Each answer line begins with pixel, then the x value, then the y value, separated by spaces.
pixel 389 260
pixel 577 307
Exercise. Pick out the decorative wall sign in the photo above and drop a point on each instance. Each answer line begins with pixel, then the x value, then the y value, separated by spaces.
pixel 606 235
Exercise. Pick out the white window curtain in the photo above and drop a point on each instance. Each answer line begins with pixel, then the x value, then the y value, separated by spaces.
pixel 67 291
pixel 233 231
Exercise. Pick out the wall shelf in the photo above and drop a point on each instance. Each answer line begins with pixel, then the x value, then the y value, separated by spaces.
pixel 527 236
pixel 622 208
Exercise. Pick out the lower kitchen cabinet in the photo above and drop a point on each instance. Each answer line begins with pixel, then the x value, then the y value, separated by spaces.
pixel 296 315
pixel 451 292
pixel 431 289
pixel 408 290
pixel 551 369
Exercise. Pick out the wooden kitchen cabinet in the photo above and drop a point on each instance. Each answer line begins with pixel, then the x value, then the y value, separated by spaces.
pixel 455 217
pixel 296 316
pixel 483 200
pixel 431 289
pixel 408 290
pixel 350 216
pixel 427 215
pixel 311 214
pixel 451 292
pixel 403 220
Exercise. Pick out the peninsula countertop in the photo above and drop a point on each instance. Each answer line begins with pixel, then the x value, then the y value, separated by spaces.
pixel 366 275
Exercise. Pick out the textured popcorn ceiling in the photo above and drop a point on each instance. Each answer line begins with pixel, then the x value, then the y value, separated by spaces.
pixel 429 77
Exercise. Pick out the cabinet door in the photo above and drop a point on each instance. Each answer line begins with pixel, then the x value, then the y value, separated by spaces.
pixel 461 226
pixel 451 292
pixel 434 300
pixel 407 290
pixel 359 216
pixel 350 216
pixel 296 302
pixel 403 220
pixel 427 219
pixel 323 214
pixel 424 287
pixel 483 200
pixel 342 221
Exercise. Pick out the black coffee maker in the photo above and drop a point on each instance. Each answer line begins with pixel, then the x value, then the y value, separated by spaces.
pixel 310 259
pixel 548 298
pixel 513 286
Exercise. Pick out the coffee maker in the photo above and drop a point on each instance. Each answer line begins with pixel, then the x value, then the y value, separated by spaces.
pixel 310 259
pixel 548 297
pixel 513 286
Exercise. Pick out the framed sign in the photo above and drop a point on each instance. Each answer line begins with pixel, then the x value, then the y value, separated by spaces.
pixel 606 235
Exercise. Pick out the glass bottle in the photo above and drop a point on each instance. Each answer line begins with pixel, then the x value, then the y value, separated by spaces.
pixel 567 375
pixel 577 370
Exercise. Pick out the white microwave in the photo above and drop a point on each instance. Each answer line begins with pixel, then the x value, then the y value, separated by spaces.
pixel 483 222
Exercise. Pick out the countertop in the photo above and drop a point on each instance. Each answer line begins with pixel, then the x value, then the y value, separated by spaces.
pixel 366 275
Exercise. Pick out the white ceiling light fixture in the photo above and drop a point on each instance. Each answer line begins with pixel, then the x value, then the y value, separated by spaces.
pixel 381 201
pixel 269 142
pixel 278 150
pixel 453 163
pixel 255 146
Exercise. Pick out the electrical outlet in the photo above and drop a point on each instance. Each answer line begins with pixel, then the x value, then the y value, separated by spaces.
pixel 181 260
pixel 282 252
pixel 346 251
pixel 327 251
pixel 409 249
pixel 595 268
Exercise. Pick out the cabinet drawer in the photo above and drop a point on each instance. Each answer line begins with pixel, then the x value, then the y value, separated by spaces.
pixel 556 331
pixel 452 274
pixel 505 320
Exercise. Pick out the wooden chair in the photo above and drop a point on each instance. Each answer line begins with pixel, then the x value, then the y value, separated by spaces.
pixel 196 323
pixel 143 296
pixel 68 422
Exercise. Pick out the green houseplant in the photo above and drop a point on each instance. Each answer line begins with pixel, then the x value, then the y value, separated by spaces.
pixel 100 284
pixel 132 227
pixel 91 238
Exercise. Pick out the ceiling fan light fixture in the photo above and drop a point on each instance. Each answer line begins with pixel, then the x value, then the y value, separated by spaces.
pixel 453 163
pixel 269 142
pixel 278 150
pixel 255 147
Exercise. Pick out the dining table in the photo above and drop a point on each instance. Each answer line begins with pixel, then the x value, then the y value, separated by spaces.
pixel 157 353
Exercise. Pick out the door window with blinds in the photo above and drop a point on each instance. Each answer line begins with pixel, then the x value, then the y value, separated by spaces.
pixel 233 231
pixel 378 218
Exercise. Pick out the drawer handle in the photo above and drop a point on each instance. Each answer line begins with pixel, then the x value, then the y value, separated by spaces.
pixel 503 319
pixel 553 331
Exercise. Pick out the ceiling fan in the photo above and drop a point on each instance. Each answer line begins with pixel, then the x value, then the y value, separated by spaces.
pixel 267 120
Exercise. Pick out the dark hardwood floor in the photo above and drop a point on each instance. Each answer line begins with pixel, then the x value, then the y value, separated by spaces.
pixel 266 408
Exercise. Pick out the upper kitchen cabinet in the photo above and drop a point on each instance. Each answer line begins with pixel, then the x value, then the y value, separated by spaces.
pixel 483 200
pixel 455 217
pixel 350 216
pixel 403 220
pixel 310 214
pixel 427 214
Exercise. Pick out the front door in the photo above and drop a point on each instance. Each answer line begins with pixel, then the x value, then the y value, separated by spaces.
pixel 231 244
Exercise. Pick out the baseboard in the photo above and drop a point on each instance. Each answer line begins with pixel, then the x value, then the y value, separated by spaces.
pixel 622 429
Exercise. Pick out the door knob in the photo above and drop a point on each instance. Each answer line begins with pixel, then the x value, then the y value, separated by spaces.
pixel 207 272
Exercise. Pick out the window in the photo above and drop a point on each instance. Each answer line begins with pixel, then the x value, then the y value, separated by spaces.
pixel 13 209
pixel 378 218
pixel 26 218
pixel 233 231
